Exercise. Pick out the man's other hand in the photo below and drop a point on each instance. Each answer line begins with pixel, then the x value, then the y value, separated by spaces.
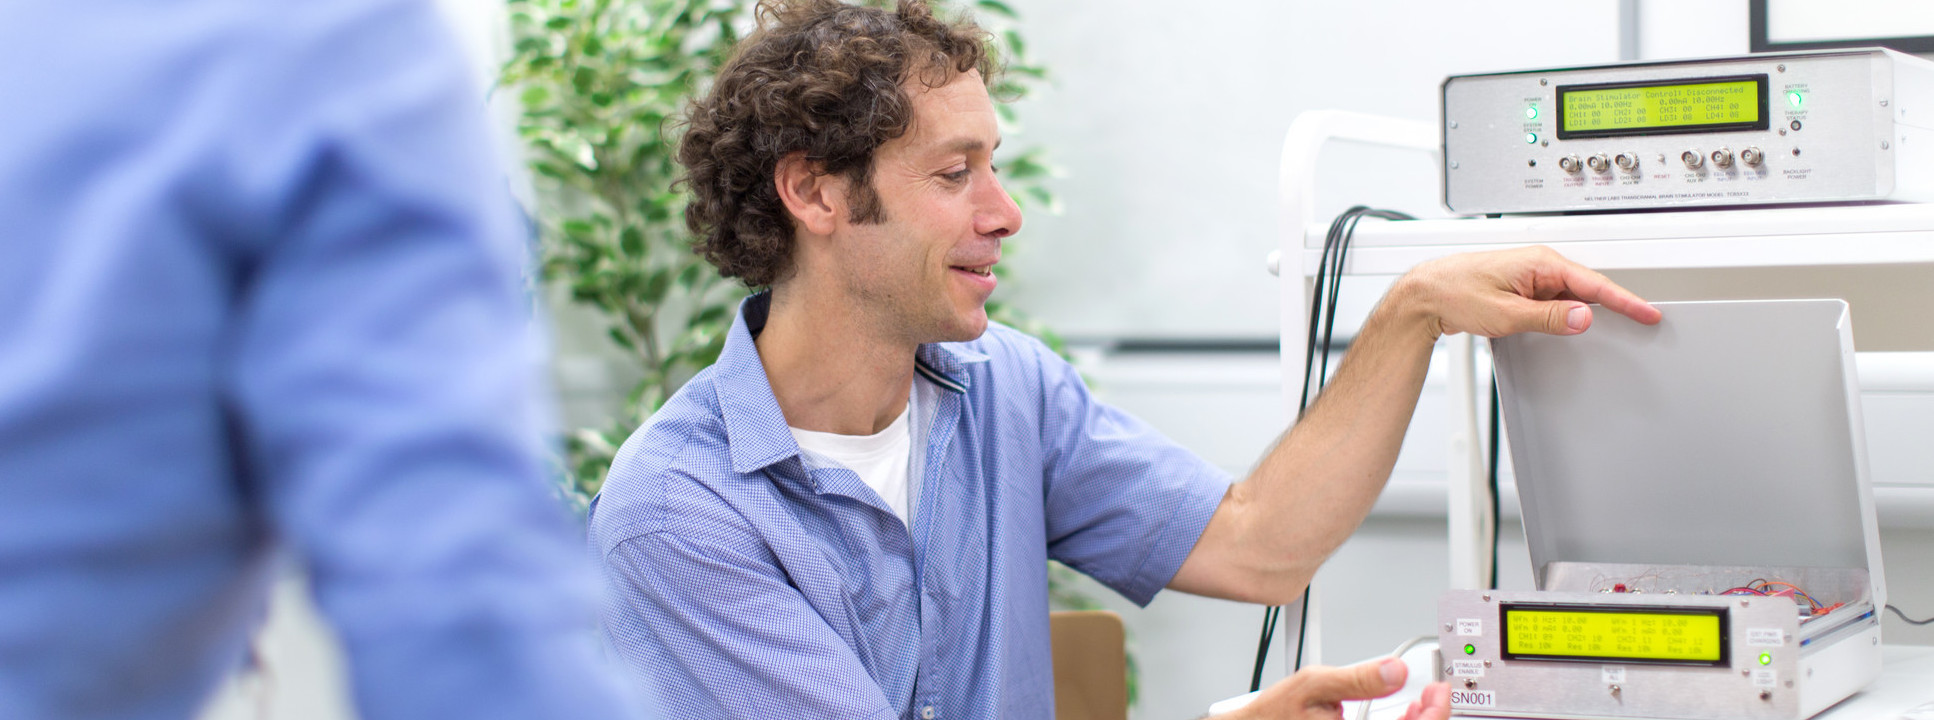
pixel 1319 692
pixel 1505 292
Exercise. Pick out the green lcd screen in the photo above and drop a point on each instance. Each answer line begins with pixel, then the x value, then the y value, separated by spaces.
pixel 1703 105
pixel 1680 636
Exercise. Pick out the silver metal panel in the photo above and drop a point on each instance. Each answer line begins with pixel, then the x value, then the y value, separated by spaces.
pixel 1498 160
pixel 1484 682
pixel 1727 435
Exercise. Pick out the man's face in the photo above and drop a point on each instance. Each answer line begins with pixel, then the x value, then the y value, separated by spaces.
pixel 926 270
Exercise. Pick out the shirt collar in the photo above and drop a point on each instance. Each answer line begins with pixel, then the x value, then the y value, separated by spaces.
pixel 755 429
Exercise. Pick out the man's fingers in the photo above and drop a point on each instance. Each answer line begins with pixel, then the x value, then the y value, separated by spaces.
pixel 1435 703
pixel 1553 317
pixel 1361 681
pixel 1589 286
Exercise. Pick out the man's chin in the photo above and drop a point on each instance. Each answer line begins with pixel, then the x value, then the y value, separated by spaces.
pixel 967 327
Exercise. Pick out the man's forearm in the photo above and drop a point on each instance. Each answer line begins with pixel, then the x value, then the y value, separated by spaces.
pixel 1311 491
pixel 1315 486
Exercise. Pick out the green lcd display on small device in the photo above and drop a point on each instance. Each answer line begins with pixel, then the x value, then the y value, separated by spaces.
pixel 1664 107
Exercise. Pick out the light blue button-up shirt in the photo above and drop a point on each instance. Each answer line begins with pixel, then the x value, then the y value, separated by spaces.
pixel 260 296
pixel 750 586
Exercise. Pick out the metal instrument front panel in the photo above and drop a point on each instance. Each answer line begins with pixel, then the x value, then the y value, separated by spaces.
pixel 1843 140
pixel 1483 682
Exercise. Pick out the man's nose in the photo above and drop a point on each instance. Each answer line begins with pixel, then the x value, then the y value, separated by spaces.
pixel 998 214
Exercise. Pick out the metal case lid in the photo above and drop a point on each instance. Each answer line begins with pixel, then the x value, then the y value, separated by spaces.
pixel 1727 435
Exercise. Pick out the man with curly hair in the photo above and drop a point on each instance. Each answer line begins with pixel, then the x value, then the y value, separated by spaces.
pixel 850 514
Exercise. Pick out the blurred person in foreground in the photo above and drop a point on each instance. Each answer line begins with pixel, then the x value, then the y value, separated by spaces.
pixel 261 298
pixel 850 514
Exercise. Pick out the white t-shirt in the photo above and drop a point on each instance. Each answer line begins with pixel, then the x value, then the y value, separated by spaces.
pixel 885 460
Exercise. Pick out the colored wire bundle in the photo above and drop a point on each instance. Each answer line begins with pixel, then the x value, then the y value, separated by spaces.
pixel 1769 588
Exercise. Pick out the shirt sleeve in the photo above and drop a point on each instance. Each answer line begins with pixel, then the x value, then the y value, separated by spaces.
pixel 720 633
pixel 386 390
pixel 1124 504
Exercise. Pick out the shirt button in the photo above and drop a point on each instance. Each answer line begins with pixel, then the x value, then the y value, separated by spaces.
pixel 926 713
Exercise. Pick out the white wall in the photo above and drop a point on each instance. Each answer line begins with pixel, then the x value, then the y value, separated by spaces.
pixel 1169 119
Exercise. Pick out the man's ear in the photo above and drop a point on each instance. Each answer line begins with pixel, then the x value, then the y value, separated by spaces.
pixel 814 198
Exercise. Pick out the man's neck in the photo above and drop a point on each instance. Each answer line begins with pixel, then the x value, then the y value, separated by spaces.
pixel 832 370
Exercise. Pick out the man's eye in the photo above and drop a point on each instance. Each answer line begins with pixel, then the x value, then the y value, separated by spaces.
pixel 958 175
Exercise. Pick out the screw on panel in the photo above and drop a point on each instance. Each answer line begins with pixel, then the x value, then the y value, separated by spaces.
pixel 1453 124
pixel 1487 663
pixel 1885 145
pixel 1542 81
pixel 1614 691
pixel 1765 694
pixel 1447 671
pixel 1781 68
pixel 1453 165
pixel 1447 627
pixel 1487 597
pixel 1470 683
pixel 1883 103
pixel 1544 143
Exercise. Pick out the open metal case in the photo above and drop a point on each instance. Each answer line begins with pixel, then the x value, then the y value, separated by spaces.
pixel 1660 467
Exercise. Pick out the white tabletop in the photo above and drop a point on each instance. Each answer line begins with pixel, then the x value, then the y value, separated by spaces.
pixel 1906 682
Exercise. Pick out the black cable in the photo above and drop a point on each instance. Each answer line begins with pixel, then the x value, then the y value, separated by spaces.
pixel 1323 301
pixel 1904 618
pixel 1496 429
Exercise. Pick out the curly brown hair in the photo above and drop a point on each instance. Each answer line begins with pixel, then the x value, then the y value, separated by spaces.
pixel 821 77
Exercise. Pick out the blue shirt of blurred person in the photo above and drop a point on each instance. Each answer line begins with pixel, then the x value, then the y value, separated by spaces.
pixel 260 293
